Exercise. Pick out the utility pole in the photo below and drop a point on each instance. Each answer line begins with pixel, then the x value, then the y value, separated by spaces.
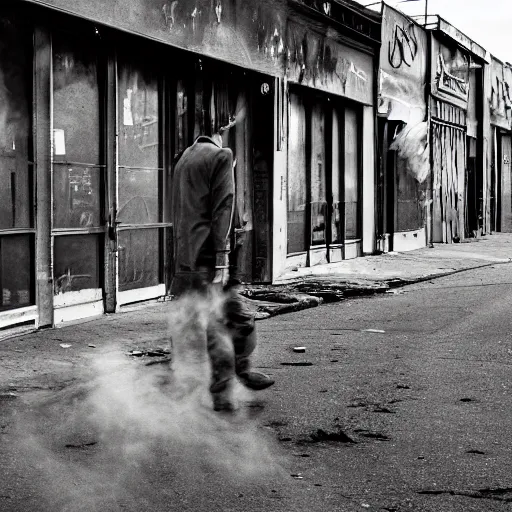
pixel 426 12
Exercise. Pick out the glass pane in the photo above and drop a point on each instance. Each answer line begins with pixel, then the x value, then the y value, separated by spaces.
pixel 76 105
pixel 200 113
pixel 15 193
pixel 351 175
pixel 139 135
pixel 138 196
pixel 181 142
pixel 297 176
pixel 76 263
pixel 16 271
pixel 76 196
pixel 318 191
pixel 139 258
pixel 336 226
pixel 15 124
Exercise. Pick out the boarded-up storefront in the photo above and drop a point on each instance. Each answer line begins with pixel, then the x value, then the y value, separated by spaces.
pixel 449 104
pixel 403 143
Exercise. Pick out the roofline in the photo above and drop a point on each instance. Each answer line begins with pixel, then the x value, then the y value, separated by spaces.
pixel 462 39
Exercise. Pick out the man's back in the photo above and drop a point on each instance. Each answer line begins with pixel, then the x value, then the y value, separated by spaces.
pixel 202 203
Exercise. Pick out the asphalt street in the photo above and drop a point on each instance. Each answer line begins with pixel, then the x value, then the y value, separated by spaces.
pixel 401 401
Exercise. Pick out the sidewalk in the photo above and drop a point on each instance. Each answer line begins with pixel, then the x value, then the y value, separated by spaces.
pixel 45 353
pixel 382 273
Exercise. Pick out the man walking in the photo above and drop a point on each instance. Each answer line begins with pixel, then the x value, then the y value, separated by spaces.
pixel 202 210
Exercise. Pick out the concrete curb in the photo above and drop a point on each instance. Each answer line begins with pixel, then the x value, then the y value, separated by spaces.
pixel 272 300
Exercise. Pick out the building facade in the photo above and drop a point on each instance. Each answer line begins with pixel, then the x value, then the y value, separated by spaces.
pixel 499 104
pixel 99 98
pixel 456 134
pixel 404 178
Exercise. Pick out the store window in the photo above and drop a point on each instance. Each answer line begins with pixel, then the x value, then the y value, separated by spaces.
pixel 76 263
pixel 324 173
pixel 140 175
pixel 16 166
pixel 318 176
pixel 78 169
pixel 336 214
pixel 16 271
pixel 351 175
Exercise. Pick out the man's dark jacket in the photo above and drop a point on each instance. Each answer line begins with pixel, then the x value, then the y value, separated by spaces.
pixel 202 206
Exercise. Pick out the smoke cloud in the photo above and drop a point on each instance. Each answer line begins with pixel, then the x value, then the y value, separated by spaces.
pixel 97 442
pixel 411 144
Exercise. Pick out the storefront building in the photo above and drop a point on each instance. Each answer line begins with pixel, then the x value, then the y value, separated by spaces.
pixel 324 209
pixel 404 178
pixel 456 134
pixel 100 97
pixel 500 148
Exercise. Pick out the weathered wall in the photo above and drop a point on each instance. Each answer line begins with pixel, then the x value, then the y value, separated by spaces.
pixel 450 73
pixel 403 68
pixel 402 83
pixel 500 99
pixel 449 104
pixel 272 37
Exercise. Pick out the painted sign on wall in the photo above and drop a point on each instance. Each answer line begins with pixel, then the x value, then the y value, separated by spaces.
pixel 317 61
pixel 403 67
pixel 450 72
pixel 273 37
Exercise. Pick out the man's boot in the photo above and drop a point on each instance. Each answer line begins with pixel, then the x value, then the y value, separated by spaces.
pixel 249 378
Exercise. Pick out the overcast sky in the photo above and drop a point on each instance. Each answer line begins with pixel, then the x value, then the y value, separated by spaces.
pixel 487 22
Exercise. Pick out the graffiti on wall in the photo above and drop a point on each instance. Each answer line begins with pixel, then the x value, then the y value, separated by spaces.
pixel 449 83
pixel 315 60
pixel 403 47
pixel 403 68
pixel 261 33
pixel 500 101
pixel 254 35
pixel 450 69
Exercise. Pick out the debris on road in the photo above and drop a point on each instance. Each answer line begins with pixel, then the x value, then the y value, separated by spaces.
pixel 8 396
pixel 91 345
pixel 403 386
pixel 383 409
pixel 299 349
pixel 65 345
pixel 339 437
pixel 298 363
pixel 297 476
pixel 81 445
pixel 380 331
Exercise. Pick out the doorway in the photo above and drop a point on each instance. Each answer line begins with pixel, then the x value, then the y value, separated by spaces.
pixel 324 215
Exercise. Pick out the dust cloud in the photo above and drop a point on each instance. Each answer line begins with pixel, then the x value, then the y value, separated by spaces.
pixel 126 425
